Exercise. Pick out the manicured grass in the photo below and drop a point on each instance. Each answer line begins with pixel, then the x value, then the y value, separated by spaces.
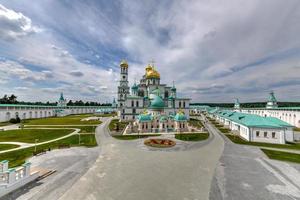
pixel 5 123
pixel 106 115
pixel 224 130
pixel 132 137
pixel 238 140
pixel 114 123
pixel 192 136
pixel 283 156
pixel 18 157
pixel 7 146
pixel 83 129
pixel 29 135
pixel 297 129
pixel 195 122
pixel 68 120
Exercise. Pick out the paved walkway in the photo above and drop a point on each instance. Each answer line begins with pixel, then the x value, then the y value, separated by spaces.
pixel 126 171
pixel 245 172
pixel 26 145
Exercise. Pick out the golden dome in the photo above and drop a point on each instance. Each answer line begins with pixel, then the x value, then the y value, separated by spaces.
pixel 124 64
pixel 152 73
pixel 148 68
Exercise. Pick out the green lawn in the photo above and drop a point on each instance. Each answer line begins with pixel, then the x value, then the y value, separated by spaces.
pixel 68 120
pixel 114 123
pixel 132 137
pixel 224 130
pixel 29 135
pixel 106 115
pixel 5 123
pixel 192 136
pixel 195 122
pixel 283 156
pixel 7 146
pixel 238 140
pixel 83 129
pixel 297 129
pixel 18 157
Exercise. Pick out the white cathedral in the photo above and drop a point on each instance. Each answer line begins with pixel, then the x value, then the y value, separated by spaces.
pixel 148 96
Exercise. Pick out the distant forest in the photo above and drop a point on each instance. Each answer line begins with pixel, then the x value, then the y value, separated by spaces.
pixel 248 105
pixel 12 99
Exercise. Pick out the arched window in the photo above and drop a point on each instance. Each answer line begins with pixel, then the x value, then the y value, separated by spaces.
pixel 166 94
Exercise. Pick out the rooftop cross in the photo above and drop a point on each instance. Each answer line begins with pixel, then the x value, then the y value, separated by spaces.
pixel 151 62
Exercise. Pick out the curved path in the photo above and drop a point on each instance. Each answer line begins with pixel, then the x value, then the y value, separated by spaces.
pixel 26 145
pixel 126 171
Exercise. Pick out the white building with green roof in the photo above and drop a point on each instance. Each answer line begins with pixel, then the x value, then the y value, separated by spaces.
pixel 256 128
pixel 289 115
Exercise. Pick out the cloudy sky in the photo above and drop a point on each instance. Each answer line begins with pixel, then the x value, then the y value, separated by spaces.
pixel 214 50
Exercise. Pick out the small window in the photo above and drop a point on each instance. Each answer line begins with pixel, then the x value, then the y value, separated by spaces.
pixel 184 104
pixel 257 133
pixel 273 134
pixel 265 134
pixel 179 104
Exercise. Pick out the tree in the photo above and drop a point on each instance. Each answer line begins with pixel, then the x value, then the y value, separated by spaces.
pixel 70 103
pixel 12 99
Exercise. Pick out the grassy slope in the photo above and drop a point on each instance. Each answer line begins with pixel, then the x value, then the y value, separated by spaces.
pixel 83 129
pixel 192 136
pixel 283 156
pixel 7 146
pixel 113 123
pixel 133 137
pixel 29 135
pixel 195 122
pixel 238 140
pixel 18 157
pixel 68 120
pixel 5 123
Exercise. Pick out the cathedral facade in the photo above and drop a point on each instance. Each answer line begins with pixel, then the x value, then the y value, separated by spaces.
pixel 149 95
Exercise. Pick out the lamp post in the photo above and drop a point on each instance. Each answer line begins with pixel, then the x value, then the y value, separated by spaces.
pixel 35 141
pixel 79 138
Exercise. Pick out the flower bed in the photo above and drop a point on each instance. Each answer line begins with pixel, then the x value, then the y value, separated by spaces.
pixel 159 143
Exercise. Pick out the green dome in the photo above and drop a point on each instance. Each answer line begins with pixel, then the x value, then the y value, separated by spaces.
pixel 156 102
pixel 163 118
pixel 156 92
pixel 144 117
pixel 135 87
pixel 180 116
pixel 171 98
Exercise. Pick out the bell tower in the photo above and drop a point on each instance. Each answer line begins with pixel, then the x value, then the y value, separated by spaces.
pixel 123 88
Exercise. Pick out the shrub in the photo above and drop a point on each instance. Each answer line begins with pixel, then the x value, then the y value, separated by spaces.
pixel 13 121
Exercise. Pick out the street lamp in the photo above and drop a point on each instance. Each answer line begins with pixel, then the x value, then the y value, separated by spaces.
pixel 35 141
pixel 79 138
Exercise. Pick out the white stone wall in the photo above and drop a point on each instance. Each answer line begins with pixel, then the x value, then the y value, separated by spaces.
pixel 6 113
pixel 278 139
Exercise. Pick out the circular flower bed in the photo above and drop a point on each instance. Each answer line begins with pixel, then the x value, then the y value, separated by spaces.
pixel 159 143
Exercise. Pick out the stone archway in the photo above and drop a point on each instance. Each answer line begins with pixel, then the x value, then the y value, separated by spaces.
pixel 7 116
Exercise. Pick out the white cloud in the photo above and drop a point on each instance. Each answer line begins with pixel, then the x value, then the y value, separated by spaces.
pixel 14 25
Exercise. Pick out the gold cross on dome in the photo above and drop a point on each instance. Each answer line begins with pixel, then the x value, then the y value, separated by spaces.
pixel 152 62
